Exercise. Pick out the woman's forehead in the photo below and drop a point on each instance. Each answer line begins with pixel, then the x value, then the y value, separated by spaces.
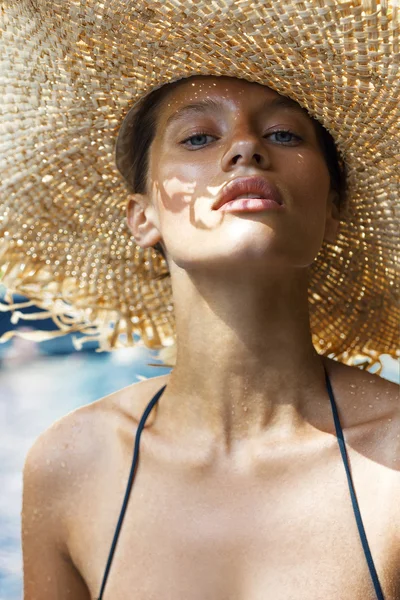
pixel 217 92
pixel 210 85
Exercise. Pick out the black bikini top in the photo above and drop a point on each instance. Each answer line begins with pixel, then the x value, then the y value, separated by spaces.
pixel 342 446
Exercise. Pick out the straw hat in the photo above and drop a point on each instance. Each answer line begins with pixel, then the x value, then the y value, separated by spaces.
pixel 70 72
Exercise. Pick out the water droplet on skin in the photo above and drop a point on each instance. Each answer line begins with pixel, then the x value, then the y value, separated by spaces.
pixel 352 385
pixel 63 464
pixel 389 420
pixel 245 408
pixel 354 406
pixel 370 405
pixel 352 393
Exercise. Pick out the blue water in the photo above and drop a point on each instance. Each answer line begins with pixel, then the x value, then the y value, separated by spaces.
pixel 35 391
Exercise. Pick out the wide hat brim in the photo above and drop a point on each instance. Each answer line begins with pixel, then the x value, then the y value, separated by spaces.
pixel 70 73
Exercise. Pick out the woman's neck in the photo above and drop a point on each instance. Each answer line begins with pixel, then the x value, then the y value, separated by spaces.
pixel 245 364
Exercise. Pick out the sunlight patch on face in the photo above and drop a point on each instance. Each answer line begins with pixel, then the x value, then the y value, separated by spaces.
pixel 209 216
pixel 215 190
pixel 175 186
pixel 204 216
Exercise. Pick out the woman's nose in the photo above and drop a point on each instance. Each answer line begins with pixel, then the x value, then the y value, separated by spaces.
pixel 245 150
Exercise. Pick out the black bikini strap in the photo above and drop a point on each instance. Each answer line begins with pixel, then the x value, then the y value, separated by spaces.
pixel 128 487
pixel 357 514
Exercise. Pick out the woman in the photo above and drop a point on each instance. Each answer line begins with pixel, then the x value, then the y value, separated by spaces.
pixel 242 490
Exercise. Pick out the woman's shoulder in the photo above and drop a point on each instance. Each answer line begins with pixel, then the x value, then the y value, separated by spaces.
pixel 85 433
pixel 369 411
pixel 73 451
pixel 369 394
pixel 67 469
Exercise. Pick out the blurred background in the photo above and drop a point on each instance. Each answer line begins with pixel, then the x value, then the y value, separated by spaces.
pixel 40 383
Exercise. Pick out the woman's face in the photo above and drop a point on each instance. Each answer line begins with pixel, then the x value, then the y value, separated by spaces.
pixel 209 131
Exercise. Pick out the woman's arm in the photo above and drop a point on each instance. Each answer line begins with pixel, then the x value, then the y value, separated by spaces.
pixel 49 573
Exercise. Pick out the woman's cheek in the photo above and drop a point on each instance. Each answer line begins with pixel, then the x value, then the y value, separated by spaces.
pixel 180 183
pixel 309 182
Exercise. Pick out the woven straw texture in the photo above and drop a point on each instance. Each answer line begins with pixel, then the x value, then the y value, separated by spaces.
pixel 70 70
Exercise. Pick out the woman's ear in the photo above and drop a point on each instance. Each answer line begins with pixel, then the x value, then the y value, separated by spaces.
pixel 142 220
pixel 332 217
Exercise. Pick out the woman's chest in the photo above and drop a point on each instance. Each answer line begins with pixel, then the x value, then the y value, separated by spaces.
pixel 289 533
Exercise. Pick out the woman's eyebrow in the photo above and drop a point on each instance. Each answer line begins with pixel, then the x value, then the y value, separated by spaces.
pixel 209 103
pixel 197 107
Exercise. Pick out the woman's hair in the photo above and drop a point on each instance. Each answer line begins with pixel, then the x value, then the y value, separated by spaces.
pixel 144 129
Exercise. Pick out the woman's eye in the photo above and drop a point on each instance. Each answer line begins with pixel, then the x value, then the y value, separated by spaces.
pixel 285 133
pixel 198 140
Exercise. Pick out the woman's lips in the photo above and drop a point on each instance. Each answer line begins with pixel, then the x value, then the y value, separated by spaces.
pixel 250 205
pixel 256 188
